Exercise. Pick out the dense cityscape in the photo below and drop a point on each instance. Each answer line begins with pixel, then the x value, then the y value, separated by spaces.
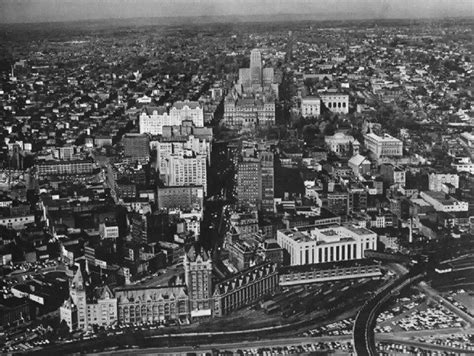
pixel 299 187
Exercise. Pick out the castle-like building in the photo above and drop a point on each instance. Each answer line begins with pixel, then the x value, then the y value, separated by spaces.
pixel 252 100
pixel 198 297
pixel 87 306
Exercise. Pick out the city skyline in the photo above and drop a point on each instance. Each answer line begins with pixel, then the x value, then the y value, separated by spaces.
pixel 295 178
pixel 34 11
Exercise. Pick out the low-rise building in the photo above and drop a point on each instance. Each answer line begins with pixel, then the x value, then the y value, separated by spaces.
pixel 383 146
pixel 319 273
pixel 245 288
pixel 311 106
pixel 309 245
pixel 436 181
pixel 443 202
pixel 342 144
pixel 336 102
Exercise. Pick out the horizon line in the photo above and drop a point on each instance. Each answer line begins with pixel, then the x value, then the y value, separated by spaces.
pixel 307 17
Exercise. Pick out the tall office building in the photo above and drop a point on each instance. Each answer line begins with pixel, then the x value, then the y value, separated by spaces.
pixel 267 183
pixel 198 278
pixel 249 181
pixel 256 67
pixel 187 169
pixel 255 181
pixel 168 146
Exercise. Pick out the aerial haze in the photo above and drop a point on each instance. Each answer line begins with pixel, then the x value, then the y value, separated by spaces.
pixel 18 11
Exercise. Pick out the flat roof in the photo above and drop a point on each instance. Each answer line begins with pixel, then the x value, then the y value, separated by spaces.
pixel 326 266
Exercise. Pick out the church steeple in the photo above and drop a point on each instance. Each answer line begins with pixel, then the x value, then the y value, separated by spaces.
pixel 78 280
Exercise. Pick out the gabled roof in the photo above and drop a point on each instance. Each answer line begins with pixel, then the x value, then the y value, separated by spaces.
pixel 191 104
pixel 150 109
pixel 358 159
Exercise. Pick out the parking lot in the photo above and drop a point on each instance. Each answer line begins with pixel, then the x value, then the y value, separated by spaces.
pixel 342 348
pixel 459 341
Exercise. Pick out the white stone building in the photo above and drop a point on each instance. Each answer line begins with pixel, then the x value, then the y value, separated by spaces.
pixel 309 245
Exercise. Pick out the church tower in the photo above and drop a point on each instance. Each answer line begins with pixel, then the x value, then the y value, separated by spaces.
pixel 77 291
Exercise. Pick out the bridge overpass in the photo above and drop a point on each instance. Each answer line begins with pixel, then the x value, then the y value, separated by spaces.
pixel 363 331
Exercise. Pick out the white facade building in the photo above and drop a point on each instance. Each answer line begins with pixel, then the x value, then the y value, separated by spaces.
pixel 342 144
pixel 187 169
pixel 80 313
pixel 177 146
pixel 308 245
pixel 152 120
pixel 310 106
pixel 385 145
pixel 336 102
pixel 436 180
pixel 442 202
pixel 17 222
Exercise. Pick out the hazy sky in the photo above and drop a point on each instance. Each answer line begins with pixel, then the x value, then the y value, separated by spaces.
pixel 70 10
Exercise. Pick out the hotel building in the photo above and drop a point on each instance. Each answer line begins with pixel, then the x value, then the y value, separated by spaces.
pixel 152 119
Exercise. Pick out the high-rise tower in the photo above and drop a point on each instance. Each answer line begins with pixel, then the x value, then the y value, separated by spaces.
pixel 267 180
pixel 198 278
pixel 256 67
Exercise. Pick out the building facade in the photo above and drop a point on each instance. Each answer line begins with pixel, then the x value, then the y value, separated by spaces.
pixel 249 181
pixel 436 181
pixel 297 275
pixel 443 202
pixel 336 102
pixel 86 308
pixel 383 146
pixel 152 119
pixel 249 112
pixel 252 100
pixel 51 168
pixel 255 181
pixel 188 169
pixel 311 106
pixel 198 277
pixel 309 245
pixel 152 304
pixel 245 288
pixel 342 144
pixel 180 197
pixel 168 146
pixel 267 180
